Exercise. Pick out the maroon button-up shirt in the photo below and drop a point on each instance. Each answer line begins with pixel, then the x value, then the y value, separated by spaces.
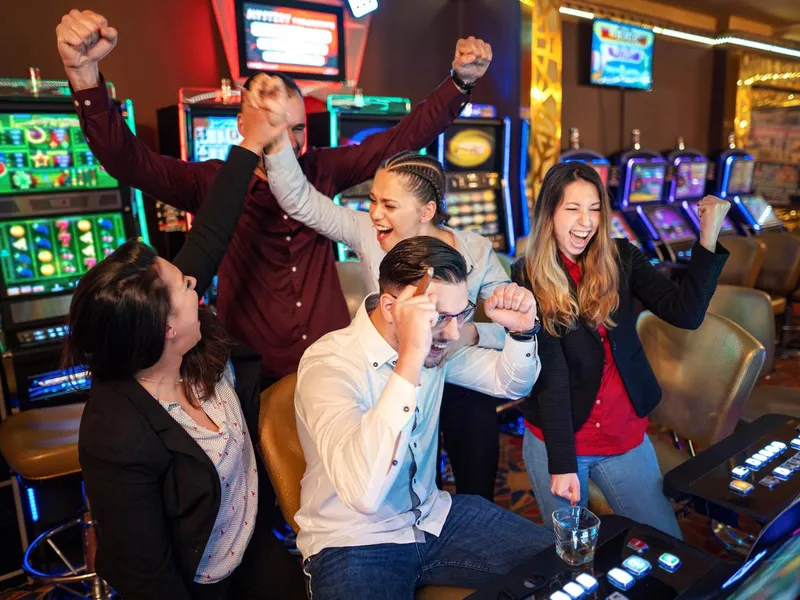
pixel 278 287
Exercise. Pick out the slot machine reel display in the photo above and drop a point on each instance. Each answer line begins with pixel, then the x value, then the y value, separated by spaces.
pixel 475 153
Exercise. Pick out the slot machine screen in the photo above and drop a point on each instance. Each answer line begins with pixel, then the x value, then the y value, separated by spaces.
pixel 646 182
pixel 621 230
pixel 353 132
pixel 671 226
pixel 741 176
pixel 691 179
pixel 46 152
pixel 213 136
pixel 50 254
pixel 471 148
pixel 301 39
pixel 761 211
pixel 47 386
pixel 474 210
pixel 602 170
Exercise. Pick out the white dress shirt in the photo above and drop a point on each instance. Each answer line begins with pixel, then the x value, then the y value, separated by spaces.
pixel 304 203
pixel 370 437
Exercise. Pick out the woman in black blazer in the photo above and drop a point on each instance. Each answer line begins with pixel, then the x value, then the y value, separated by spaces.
pixel 587 414
pixel 168 437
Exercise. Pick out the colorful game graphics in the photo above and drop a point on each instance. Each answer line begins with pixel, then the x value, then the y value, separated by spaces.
pixel 50 254
pixel 47 152
pixel 474 211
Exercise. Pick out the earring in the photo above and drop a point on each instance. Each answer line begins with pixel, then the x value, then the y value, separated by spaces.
pixel 174 333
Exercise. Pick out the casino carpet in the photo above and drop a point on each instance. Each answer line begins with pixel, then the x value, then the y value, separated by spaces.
pixel 513 491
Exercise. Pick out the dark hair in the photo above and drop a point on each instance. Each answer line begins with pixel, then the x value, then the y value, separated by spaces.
pixel 118 321
pixel 406 263
pixel 290 83
pixel 424 177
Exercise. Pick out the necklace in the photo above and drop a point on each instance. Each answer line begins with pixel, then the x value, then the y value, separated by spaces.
pixel 180 381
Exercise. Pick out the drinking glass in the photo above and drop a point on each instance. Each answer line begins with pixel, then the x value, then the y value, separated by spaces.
pixel 576 534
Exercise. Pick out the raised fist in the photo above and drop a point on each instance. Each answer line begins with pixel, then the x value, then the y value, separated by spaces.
pixel 84 38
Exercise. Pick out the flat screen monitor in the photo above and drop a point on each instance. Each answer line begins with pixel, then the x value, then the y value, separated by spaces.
pixel 471 148
pixel 690 179
pixel 646 182
pixel 670 224
pixel 213 136
pixel 622 55
pixel 46 152
pixel 301 39
pixel 761 211
pixel 740 180
pixel 353 132
pixel 50 254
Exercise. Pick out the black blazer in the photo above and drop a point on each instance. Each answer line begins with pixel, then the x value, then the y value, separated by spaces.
pixel 572 365
pixel 153 491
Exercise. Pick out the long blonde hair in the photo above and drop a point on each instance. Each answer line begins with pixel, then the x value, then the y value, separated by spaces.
pixel 598 292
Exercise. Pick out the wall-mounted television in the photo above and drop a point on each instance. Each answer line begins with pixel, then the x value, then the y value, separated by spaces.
pixel 301 39
pixel 622 55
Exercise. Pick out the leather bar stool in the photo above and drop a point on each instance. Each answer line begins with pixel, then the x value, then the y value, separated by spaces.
pixel 283 454
pixel 351 277
pixel 42 444
pixel 779 277
pixel 752 310
pixel 744 263
pixel 706 376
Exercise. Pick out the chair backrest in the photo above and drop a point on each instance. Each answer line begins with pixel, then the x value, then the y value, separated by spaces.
pixel 280 445
pixel 752 310
pixel 744 263
pixel 351 276
pixel 781 268
pixel 706 375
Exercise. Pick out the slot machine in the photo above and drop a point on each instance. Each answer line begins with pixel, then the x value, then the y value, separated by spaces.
pixel 526 190
pixel 664 231
pixel 619 227
pixel 348 121
pixel 735 169
pixel 475 153
pixel 60 213
pixel 201 126
pixel 687 181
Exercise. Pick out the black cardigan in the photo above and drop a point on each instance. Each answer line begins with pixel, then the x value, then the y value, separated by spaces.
pixel 572 365
pixel 153 491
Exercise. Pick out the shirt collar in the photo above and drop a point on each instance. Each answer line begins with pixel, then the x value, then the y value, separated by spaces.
pixel 376 348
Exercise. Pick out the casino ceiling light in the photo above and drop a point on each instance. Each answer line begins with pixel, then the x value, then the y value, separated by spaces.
pixel 698 39
pixel 359 8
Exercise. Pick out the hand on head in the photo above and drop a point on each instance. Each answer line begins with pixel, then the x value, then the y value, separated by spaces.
pixel 263 112
pixel 472 59
pixel 512 306
pixel 414 314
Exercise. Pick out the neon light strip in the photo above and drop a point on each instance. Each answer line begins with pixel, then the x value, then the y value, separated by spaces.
pixel 748 217
pixel 512 244
pixel 646 221
pixel 334 142
pixel 698 39
pixel 726 175
pixel 32 505
pixel 523 178
pixel 138 199
pixel 691 213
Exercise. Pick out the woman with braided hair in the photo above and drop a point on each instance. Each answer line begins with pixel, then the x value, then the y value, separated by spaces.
pixel 407 200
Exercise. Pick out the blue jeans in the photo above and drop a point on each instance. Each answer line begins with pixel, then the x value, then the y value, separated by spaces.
pixel 631 482
pixel 479 542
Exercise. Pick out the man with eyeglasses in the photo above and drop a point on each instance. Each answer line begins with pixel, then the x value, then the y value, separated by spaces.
pixel 372 522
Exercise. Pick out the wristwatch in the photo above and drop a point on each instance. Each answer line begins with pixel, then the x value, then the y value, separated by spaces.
pixel 525 336
pixel 465 87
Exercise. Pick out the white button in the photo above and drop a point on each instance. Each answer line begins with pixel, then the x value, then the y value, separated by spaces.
pixel 288 238
pixel 305 337
pixel 294 269
pixel 597 425
pixel 285 217
pixel 87 102
pixel 299 304
pixel 597 401
pixel 77 103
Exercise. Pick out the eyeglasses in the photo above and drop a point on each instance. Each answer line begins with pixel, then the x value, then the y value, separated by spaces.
pixel 461 318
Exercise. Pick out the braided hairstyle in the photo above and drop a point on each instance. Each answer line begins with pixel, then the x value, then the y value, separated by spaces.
pixel 424 178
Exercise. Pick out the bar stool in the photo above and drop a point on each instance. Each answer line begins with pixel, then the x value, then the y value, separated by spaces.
pixel 283 454
pixel 42 444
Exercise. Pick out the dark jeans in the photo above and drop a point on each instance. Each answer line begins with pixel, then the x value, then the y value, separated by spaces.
pixel 479 542
pixel 267 572
pixel 468 422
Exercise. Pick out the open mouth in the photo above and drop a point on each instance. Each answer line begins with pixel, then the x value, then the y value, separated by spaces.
pixel 579 238
pixel 383 232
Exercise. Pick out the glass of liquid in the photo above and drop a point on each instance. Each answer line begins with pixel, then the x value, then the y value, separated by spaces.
pixel 576 534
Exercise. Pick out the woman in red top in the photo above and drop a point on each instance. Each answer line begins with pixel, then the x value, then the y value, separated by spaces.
pixel 587 415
